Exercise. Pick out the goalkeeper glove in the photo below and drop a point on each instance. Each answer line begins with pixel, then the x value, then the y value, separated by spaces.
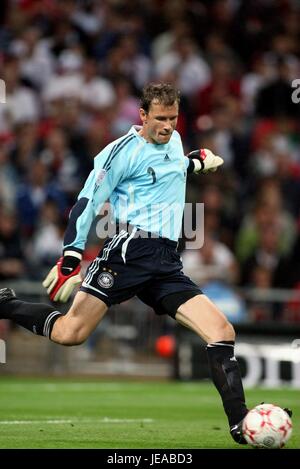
pixel 204 161
pixel 64 277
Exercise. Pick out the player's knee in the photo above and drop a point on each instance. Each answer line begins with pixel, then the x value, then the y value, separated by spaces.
pixel 73 337
pixel 225 331
pixel 228 331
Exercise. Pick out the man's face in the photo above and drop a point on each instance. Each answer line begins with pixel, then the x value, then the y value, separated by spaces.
pixel 159 123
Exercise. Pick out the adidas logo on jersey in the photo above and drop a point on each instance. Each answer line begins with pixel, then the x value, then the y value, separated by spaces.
pixel 166 158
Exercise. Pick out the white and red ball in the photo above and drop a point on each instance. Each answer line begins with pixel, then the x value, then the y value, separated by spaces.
pixel 267 426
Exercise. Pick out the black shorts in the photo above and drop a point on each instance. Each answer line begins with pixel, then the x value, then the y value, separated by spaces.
pixel 149 268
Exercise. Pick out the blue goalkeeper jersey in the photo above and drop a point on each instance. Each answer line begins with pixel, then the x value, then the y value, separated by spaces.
pixel 145 184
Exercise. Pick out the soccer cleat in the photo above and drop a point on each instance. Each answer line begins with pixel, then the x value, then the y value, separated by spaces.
pixel 288 411
pixel 236 431
pixel 6 294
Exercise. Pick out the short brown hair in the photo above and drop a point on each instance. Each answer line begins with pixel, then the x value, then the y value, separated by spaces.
pixel 163 93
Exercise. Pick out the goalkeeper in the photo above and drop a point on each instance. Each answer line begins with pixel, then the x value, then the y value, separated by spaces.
pixel 147 169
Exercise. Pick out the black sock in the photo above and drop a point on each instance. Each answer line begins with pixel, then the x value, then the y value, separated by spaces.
pixel 226 376
pixel 38 318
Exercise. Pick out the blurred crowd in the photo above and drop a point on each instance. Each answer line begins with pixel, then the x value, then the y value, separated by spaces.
pixel 74 71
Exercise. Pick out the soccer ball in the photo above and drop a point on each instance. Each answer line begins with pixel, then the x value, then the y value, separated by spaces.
pixel 267 426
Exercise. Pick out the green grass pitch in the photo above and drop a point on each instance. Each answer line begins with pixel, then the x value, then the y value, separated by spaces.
pixel 74 413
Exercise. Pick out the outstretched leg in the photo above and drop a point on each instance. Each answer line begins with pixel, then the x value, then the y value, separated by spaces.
pixel 71 328
pixel 204 318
